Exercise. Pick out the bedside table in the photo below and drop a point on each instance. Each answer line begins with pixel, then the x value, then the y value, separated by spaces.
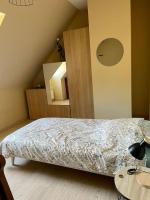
pixel 135 186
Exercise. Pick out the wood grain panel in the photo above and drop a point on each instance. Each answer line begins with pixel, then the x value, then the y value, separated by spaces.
pixel 77 49
pixel 38 105
pixel 130 185
pixel 5 193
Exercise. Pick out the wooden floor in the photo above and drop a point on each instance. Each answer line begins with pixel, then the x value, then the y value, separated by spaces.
pixel 38 181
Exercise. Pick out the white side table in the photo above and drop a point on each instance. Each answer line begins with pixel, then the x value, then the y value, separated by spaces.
pixel 135 186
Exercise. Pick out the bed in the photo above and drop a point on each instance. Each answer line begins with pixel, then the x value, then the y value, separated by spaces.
pixel 97 146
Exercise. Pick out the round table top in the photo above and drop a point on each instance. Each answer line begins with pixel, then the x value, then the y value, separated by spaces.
pixel 134 187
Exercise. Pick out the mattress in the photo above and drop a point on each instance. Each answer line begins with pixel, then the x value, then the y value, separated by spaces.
pixel 97 146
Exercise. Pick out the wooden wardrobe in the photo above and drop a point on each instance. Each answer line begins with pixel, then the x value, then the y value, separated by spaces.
pixel 39 108
pixel 78 59
pixel 77 50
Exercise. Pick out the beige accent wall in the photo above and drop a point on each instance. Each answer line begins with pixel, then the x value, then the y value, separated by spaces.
pixel 12 107
pixel 111 85
pixel 79 20
pixel 140 57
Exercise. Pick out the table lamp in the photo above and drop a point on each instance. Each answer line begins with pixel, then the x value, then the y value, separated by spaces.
pixel 139 150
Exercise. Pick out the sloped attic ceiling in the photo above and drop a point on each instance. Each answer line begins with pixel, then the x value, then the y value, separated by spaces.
pixel 27 36
pixel 80 4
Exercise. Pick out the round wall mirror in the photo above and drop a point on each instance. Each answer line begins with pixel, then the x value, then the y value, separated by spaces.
pixel 110 52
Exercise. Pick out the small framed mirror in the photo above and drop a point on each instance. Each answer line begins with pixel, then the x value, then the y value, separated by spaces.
pixel 110 52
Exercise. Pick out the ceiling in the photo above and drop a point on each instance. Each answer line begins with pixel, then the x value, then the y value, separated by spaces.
pixel 27 37
pixel 80 4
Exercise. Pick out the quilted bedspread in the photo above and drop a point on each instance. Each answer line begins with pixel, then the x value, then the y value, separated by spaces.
pixel 98 146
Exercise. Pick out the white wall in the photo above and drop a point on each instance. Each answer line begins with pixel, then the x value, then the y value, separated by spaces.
pixel 111 85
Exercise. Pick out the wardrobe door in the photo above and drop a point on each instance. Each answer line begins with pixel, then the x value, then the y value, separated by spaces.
pixel 77 50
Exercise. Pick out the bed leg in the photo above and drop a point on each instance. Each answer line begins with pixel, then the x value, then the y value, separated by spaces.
pixel 13 161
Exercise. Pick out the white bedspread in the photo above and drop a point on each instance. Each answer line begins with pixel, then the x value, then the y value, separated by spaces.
pixel 98 146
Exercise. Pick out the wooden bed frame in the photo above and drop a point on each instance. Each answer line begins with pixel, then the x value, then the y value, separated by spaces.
pixel 5 193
